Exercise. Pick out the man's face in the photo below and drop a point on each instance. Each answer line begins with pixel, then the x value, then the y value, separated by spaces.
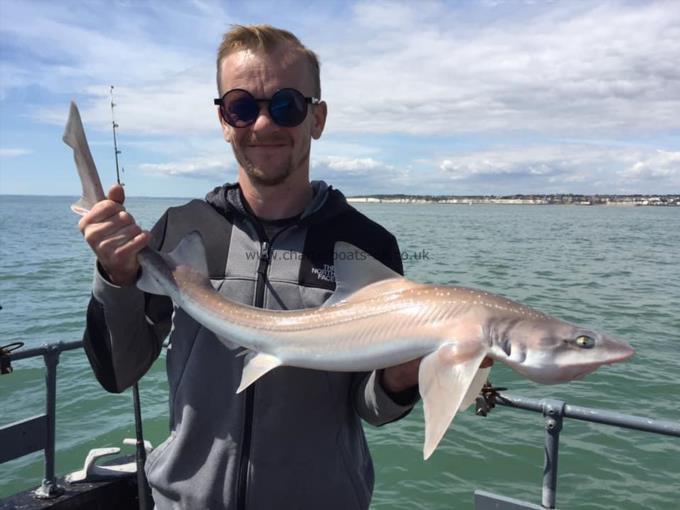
pixel 266 152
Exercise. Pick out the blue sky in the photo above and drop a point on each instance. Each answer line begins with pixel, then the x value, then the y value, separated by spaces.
pixel 485 97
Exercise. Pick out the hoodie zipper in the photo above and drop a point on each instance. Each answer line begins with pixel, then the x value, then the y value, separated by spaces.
pixel 262 267
pixel 242 487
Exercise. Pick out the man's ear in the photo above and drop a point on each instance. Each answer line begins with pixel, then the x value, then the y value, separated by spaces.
pixel 226 128
pixel 320 113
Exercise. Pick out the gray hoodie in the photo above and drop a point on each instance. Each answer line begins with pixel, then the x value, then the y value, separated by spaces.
pixel 294 439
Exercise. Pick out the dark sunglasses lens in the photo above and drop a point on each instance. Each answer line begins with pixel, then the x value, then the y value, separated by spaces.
pixel 239 108
pixel 288 107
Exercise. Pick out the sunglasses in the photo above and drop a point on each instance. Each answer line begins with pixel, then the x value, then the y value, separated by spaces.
pixel 287 107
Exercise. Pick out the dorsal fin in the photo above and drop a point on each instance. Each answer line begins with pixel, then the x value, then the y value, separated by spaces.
pixel 190 252
pixel 355 269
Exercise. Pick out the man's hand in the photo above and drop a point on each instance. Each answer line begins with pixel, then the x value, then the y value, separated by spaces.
pixel 114 237
pixel 402 377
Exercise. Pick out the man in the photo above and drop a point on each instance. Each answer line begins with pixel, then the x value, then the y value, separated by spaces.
pixel 294 439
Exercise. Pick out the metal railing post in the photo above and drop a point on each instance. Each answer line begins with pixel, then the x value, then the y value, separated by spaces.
pixel 49 487
pixel 553 413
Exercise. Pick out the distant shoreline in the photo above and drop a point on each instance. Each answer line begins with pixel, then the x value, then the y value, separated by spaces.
pixel 555 199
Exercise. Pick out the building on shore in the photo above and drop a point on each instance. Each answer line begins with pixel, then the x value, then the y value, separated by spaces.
pixel 554 199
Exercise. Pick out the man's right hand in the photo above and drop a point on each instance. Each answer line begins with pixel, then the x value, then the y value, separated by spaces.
pixel 114 237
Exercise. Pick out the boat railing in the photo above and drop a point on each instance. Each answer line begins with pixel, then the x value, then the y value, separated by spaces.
pixel 554 412
pixel 38 432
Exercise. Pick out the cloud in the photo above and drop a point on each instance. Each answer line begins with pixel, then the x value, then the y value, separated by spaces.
pixel 574 68
pixel 163 85
pixel 12 77
pixel 423 97
pixel 83 43
pixel 207 167
pixel 357 175
pixel 390 67
pixel 350 165
pixel 566 168
pixel 573 167
pixel 659 165
pixel 537 161
pixel 153 109
pixel 7 152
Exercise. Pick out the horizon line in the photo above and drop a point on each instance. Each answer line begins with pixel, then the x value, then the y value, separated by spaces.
pixel 373 195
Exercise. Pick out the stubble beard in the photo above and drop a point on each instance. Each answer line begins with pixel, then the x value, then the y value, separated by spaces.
pixel 260 177
pixel 267 179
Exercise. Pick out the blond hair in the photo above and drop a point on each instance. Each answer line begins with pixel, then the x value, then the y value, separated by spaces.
pixel 265 38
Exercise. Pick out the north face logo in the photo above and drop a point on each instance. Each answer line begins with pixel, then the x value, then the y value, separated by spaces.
pixel 327 273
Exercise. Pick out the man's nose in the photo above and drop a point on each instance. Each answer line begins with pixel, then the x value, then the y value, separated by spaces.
pixel 264 120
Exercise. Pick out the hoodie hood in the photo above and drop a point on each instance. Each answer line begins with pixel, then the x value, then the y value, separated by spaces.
pixel 326 202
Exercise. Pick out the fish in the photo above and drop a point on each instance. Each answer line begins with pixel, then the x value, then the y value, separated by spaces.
pixel 375 319
pixel 74 136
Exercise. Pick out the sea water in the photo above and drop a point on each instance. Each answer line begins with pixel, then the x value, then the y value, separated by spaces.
pixel 615 269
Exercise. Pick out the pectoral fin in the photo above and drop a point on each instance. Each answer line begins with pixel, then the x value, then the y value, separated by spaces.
pixel 475 388
pixel 255 365
pixel 444 379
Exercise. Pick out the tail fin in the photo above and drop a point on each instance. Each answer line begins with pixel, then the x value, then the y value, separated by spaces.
pixel 74 137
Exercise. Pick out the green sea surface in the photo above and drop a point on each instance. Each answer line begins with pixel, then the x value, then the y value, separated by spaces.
pixel 613 269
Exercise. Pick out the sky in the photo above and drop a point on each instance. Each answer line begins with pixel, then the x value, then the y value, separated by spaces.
pixel 428 97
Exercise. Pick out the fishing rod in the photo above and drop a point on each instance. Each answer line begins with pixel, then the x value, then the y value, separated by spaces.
pixel 115 140
pixel 140 451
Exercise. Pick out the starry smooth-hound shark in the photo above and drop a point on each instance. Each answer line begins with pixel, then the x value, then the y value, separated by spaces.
pixel 375 319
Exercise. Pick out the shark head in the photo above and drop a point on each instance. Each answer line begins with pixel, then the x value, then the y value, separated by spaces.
pixel 550 351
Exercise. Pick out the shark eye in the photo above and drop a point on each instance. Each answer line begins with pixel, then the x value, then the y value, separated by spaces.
pixel 585 342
